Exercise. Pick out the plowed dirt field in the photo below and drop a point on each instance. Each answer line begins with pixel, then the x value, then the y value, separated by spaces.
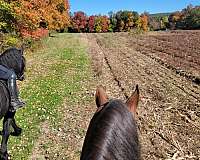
pixel 166 66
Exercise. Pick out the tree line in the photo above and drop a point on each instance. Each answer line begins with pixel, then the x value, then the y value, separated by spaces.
pixel 188 18
pixel 115 22
pixel 122 21
pixel 36 17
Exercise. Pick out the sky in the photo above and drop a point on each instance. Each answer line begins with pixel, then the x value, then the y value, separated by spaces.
pixel 93 7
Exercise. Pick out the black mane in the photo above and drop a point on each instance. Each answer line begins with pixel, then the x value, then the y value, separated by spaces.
pixel 112 134
pixel 13 58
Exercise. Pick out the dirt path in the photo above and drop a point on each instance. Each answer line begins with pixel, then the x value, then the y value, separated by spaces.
pixel 169 110
pixel 64 60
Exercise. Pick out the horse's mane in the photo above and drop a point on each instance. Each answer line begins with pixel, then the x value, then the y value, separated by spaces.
pixel 112 134
pixel 12 58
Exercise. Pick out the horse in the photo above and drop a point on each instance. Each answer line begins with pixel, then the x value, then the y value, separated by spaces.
pixel 13 59
pixel 112 132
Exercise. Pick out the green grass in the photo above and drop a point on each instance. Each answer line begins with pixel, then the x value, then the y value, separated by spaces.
pixel 54 74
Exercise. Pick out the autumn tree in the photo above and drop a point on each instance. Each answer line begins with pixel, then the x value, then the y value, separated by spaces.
pixel 91 24
pixel 175 18
pixel 79 22
pixel 105 22
pixel 52 14
pixel 126 20
pixel 144 22
pixel 98 26
pixel 28 15
pixel 57 16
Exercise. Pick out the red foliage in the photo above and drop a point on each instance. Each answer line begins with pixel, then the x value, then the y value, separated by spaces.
pixel 79 21
pixel 91 24
pixel 36 34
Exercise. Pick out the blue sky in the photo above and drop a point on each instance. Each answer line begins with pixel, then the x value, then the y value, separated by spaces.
pixel 91 7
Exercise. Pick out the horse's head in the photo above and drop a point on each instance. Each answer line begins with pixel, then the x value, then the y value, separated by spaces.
pixel 112 132
pixel 102 99
pixel 13 59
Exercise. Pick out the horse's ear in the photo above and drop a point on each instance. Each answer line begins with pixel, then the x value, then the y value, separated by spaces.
pixel 133 100
pixel 101 96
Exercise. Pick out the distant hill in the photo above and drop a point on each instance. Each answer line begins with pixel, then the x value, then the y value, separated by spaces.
pixel 160 14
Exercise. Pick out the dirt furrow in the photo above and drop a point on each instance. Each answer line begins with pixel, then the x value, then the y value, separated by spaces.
pixel 102 72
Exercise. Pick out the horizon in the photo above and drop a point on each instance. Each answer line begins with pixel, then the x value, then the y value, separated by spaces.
pixel 105 6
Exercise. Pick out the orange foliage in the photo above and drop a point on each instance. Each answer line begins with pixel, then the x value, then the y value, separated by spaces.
pixel 33 14
pixel 105 23
pixel 144 22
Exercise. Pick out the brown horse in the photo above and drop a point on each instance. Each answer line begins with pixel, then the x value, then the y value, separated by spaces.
pixel 112 133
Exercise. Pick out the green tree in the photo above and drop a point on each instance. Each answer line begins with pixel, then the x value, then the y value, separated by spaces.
pixel 192 20
pixel 113 21
pixel 164 22
pixel 188 18
pixel 7 17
